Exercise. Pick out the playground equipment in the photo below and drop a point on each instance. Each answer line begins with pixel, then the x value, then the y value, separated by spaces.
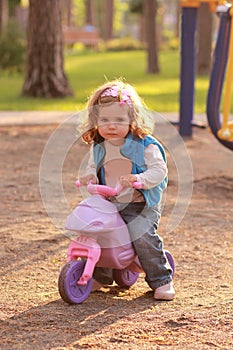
pixel 103 240
pixel 222 129
pixel 223 54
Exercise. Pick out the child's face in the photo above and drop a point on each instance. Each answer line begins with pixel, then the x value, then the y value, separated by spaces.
pixel 113 122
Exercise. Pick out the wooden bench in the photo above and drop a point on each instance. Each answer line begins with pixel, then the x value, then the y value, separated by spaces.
pixel 87 36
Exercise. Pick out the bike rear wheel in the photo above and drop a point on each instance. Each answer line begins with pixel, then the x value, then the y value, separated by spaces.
pixel 171 261
pixel 125 278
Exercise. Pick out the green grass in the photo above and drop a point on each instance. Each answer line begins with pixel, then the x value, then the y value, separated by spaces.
pixel 86 71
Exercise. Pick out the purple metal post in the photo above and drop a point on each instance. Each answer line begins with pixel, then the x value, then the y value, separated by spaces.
pixel 187 72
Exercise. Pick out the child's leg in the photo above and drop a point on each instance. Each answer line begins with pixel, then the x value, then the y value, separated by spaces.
pixel 142 225
pixel 103 275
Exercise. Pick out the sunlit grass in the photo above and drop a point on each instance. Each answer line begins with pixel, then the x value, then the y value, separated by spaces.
pixel 88 70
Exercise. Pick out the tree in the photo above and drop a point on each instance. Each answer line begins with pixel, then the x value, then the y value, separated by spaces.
pixel 44 76
pixel 147 9
pixel 90 10
pixel 69 12
pixel 177 17
pixel 150 11
pixel 108 11
pixel 4 14
pixel 205 25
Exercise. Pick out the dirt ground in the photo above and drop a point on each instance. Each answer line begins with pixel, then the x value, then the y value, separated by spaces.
pixel 33 250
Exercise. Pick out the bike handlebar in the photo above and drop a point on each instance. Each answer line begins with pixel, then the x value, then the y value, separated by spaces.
pixel 107 191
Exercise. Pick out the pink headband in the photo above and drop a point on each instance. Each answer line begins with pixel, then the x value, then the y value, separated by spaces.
pixel 122 94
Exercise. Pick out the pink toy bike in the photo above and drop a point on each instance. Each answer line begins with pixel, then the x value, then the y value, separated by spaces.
pixel 103 240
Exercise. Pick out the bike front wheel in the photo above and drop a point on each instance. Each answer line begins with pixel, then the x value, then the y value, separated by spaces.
pixel 69 289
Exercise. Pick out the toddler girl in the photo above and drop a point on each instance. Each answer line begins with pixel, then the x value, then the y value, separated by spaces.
pixel 124 151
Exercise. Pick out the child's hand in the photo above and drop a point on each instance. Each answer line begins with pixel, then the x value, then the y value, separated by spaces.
pixel 84 180
pixel 127 180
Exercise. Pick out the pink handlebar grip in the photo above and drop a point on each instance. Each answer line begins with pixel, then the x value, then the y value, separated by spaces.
pixel 77 183
pixel 137 185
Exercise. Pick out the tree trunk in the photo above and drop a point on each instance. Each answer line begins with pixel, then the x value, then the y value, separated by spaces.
pixel 205 24
pixel 177 23
pixel 108 19
pixel 4 14
pixel 150 11
pixel 45 75
pixel 89 12
pixel 69 13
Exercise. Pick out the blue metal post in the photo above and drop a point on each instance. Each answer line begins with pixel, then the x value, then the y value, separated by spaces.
pixel 187 71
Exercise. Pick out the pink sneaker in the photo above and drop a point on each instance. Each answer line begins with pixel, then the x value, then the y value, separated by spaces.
pixel 165 292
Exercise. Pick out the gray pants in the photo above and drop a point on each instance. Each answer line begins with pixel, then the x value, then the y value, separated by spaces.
pixel 142 224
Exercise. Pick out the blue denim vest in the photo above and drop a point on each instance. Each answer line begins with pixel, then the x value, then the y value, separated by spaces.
pixel 133 149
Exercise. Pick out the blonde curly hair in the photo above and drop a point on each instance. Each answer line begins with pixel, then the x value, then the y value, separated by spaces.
pixel 141 123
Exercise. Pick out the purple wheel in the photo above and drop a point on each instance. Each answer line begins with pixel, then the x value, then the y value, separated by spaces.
pixel 125 278
pixel 171 261
pixel 69 290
